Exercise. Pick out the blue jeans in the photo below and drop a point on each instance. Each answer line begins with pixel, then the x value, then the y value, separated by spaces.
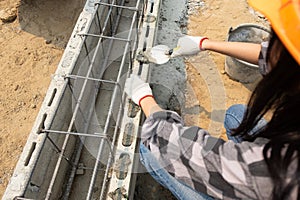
pixel 233 118
pixel 178 189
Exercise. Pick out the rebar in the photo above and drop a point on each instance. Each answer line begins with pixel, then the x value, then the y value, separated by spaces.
pixel 56 170
pixel 101 146
pixel 112 39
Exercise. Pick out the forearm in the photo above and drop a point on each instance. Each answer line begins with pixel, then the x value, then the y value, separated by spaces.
pixel 150 106
pixel 248 52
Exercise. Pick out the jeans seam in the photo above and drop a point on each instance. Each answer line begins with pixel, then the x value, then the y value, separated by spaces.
pixel 233 116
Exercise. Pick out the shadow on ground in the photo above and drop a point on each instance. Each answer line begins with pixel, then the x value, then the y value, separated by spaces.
pixel 147 188
pixel 53 20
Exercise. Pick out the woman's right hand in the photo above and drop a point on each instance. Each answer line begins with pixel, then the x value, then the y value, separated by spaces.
pixel 188 45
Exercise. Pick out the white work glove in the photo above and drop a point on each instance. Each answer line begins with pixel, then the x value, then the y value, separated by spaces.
pixel 137 89
pixel 188 45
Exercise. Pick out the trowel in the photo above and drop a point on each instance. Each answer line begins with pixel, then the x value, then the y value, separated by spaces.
pixel 159 54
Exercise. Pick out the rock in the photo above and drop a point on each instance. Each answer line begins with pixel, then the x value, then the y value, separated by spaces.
pixel 8 15
pixel 33 106
pixel 20 61
pixel 223 72
pixel 17 87
pixel 48 41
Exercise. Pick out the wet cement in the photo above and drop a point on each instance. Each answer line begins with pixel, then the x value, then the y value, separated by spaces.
pixel 168 82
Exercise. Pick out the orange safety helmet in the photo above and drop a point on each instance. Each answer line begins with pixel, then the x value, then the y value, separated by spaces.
pixel 284 16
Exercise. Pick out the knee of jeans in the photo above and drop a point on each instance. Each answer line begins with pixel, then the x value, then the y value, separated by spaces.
pixel 234 115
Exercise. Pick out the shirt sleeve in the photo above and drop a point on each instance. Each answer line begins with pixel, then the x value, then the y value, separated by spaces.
pixel 210 165
pixel 262 60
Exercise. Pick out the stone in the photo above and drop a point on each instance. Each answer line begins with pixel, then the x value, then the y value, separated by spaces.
pixel 8 15
pixel 16 87
pixel 48 41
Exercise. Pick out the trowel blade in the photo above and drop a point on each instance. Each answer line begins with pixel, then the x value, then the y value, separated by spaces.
pixel 158 54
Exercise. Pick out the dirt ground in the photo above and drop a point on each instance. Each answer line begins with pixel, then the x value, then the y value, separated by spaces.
pixel 32 37
pixel 213 20
pixel 31 47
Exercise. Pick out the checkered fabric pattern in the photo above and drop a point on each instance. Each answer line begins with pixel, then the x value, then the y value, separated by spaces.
pixel 223 170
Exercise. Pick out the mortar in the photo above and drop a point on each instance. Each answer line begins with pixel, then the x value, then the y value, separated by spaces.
pixel 240 70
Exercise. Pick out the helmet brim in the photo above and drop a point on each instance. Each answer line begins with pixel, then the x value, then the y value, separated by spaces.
pixel 284 17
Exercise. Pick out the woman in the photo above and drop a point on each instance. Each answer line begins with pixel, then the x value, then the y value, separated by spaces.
pixel 262 159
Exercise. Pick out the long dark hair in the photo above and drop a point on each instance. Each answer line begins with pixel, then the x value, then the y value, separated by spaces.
pixel 278 93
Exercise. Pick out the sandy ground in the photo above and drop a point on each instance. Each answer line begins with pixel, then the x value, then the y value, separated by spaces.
pixel 213 20
pixel 32 45
pixel 30 48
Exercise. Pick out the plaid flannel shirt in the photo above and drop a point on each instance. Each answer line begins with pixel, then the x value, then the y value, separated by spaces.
pixel 223 170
